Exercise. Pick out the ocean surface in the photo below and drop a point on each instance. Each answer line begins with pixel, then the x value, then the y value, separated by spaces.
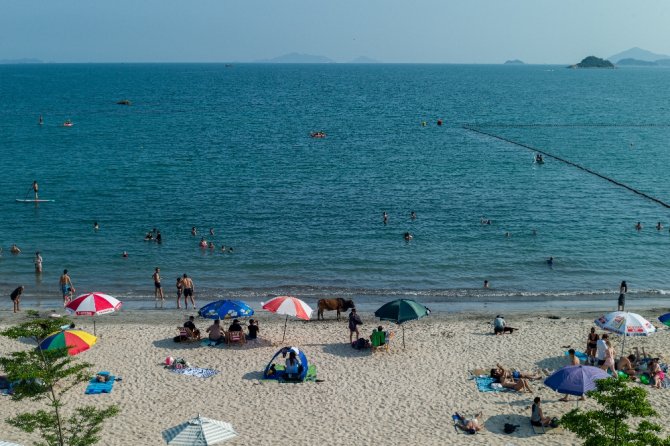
pixel 229 148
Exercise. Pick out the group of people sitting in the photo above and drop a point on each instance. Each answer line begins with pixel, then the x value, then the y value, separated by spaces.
pixel 218 335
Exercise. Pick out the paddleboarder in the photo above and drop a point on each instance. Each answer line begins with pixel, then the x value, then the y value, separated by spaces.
pixel 35 188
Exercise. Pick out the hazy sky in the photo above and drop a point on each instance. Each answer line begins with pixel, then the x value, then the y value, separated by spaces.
pixel 431 31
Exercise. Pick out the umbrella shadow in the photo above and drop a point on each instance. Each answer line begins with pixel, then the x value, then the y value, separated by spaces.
pixel 496 425
pixel 253 376
pixel 345 350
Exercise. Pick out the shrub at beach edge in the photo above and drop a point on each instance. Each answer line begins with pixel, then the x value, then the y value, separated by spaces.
pixel 47 375
pixel 607 426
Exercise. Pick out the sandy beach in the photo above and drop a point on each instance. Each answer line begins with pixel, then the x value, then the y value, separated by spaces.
pixel 402 397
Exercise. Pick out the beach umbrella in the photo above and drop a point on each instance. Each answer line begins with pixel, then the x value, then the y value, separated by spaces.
pixel 290 306
pixel 625 324
pixel 199 431
pixel 665 319
pixel 93 304
pixel 7 443
pixel 226 308
pixel 76 341
pixel 575 379
pixel 401 311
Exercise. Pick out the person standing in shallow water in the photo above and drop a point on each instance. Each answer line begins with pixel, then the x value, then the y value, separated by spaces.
pixel 189 289
pixel 385 217
pixel 35 188
pixel 623 289
pixel 38 263
pixel 158 289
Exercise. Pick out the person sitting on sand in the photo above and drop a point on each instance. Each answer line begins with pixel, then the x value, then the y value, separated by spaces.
pixel 253 329
pixel 190 324
pixel 500 326
pixel 656 374
pixel 627 365
pixel 215 331
pixel 292 365
pixel 470 425
pixel 537 417
pixel 501 371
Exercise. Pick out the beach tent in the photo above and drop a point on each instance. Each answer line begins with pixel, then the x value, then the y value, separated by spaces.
pixel 284 352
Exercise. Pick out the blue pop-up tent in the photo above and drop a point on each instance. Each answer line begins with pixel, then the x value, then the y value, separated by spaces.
pixel 279 368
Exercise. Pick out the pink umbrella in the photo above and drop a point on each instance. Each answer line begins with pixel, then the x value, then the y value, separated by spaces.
pixel 290 306
pixel 93 304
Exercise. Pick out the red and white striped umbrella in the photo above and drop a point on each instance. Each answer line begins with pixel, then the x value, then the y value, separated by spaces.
pixel 290 306
pixel 93 304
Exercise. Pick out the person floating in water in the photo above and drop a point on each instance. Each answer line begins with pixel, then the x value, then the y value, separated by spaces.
pixel 35 187
pixel 485 221
pixel 408 236
pixel 385 217
pixel 638 226
pixel 659 226
pixel 412 215
pixel 149 236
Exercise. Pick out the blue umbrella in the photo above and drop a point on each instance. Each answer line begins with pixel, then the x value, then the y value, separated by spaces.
pixel 665 319
pixel 575 379
pixel 226 308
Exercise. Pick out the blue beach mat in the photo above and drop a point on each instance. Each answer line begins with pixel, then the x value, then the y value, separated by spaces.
pixel 95 387
pixel 196 371
pixel 580 355
pixel 484 385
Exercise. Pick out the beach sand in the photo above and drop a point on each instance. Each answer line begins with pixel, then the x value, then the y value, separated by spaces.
pixel 403 397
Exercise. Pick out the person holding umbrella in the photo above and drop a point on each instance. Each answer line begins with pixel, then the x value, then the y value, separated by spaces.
pixel 354 322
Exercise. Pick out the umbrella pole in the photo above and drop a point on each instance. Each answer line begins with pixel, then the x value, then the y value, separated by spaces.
pixel 403 336
pixel 285 322
pixel 94 326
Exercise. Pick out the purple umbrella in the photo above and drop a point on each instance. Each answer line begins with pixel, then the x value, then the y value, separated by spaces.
pixel 575 379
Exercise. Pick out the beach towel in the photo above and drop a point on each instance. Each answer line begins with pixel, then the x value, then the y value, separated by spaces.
pixel 580 355
pixel 96 387
pixel 195 371
pixel 484 384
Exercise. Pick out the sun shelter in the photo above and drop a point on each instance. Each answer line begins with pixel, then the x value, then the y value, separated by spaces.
pixel 278 372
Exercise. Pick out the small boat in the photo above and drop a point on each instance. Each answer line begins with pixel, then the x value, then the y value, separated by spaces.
pixel 124 102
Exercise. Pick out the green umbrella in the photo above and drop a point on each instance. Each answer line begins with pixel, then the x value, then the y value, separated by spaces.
pixel 401 311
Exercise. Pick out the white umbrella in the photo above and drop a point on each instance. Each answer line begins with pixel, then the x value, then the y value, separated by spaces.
pixel 199 431
pixel 625 324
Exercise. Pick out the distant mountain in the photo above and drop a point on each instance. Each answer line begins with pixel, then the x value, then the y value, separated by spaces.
pixel 593 62
pixel 19 61
pixel 639 54
pixel 636 63
pixel 364 59
pixel 514 62
pixel 297 58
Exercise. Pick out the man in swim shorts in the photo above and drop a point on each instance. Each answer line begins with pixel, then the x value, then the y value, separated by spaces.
pixel 66 287
pixel 189 288
pixel 158 290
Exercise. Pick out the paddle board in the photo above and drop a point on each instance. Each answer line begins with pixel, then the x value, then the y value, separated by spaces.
pixel 34 201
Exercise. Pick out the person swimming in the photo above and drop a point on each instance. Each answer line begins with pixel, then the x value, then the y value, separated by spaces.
pixel 539 159
pixel 194 231
pixel 638 226
pixel 412 215
pixel 659 226
pixel 203 242
pixel 385 217
pixel 408 236
pixel 550 261
pixel 149 236
pixel 96 226
pixel 124 255
pixel 485 221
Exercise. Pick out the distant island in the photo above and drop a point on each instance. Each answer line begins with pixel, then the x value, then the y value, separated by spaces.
pixel 637 54
pixel 514 62
pixel 297 58
pixel 593 62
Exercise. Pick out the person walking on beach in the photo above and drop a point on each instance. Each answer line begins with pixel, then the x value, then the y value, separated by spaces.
pixel 38 263
pixel 16 298
pixel 35 187
pixel 592 346
pixel 623 289
pixel 354 322
pixel 66 287
pixel 189 289
pixel 180 288
pixel 158 290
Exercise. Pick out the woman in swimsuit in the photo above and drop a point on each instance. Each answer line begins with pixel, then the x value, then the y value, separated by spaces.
pixel 180 288
pixel 609 359
pixel 592 345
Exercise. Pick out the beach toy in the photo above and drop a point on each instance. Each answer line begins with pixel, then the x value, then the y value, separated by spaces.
pixel 622 375
pixel 169 360
pixel 644 379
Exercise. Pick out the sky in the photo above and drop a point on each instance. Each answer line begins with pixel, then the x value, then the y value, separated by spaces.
pixel 392 31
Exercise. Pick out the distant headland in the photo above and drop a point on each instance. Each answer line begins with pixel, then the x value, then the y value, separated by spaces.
pixel 593 62
pixel 514 62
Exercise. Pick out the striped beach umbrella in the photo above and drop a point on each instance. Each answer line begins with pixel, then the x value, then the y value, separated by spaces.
pixel 93 304
pixel 290 306
pixel 199 431
pixel 76 341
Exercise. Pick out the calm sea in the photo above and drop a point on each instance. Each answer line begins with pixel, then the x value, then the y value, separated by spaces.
pixel 228 147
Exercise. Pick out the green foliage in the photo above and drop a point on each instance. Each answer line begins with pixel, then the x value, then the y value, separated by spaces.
pixel 47 375
pixel 608 426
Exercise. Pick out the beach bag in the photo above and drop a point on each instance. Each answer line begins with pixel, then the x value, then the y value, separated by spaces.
pixel 554 422
pixel 510 428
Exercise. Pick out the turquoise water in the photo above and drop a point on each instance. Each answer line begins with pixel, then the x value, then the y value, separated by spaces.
pixel 229 148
